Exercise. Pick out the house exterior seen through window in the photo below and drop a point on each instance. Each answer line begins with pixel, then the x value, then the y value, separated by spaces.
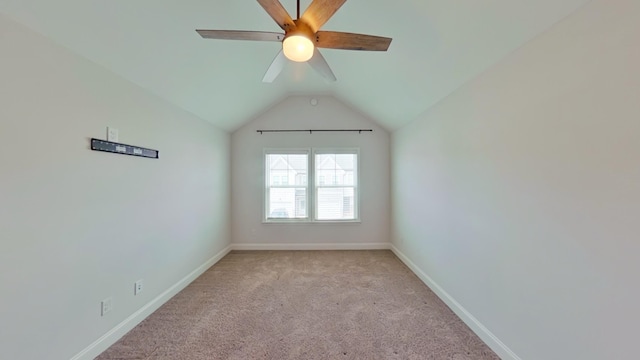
pixel 305 185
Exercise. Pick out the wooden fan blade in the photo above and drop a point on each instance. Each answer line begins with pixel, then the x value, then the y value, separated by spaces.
pixel 319 64
pixel 241 35
pixel 276 67
pixel 319 12
pixel 275 9
pixel 350 41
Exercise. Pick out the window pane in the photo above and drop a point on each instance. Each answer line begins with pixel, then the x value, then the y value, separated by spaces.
pixel 346 161
pixel 284 167
pixel 287 203
pixel 336 203
pixel 336 169
pixel 325 168
pixel 346 165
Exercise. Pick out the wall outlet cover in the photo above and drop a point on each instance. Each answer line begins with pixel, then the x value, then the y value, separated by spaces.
pixel 138 287
pixel 112 134
pixel 106 306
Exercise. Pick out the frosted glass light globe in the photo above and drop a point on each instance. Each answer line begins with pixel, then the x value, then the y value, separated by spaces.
pixel 297 48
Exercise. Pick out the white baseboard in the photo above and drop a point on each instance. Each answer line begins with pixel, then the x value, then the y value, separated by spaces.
pixel 316 246
pixel 483 333
pixel 129 323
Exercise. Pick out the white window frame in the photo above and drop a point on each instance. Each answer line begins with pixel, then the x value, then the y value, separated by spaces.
pixel 328 184
pixel 311 187
pixel 267 186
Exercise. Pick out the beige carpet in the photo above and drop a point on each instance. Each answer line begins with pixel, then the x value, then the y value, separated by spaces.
pixel 303 305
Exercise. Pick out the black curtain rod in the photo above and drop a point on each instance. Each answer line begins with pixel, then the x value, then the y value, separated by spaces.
pixel 310 131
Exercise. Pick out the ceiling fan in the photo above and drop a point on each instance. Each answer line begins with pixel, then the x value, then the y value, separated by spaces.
pixel 302 37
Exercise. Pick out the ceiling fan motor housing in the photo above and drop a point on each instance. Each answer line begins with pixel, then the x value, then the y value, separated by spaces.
pixel 301 28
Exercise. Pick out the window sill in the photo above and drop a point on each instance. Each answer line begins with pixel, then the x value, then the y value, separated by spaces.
pixel 307 222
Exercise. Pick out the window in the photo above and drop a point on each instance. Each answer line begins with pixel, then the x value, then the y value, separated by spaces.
pixel 336 198
pixel 331 175
pixel 284 200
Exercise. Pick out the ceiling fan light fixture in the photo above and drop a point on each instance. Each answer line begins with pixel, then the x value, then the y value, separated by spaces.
pixel 297 47
pixel 302 36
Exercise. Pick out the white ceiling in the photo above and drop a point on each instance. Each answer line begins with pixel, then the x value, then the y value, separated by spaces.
pixel 437 46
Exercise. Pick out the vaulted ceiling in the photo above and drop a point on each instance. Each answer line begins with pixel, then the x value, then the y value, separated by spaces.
pixel 437 47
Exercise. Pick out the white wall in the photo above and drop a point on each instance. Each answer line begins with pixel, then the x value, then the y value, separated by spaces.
pixel 78 226
pixel 296 112
pixel 519 194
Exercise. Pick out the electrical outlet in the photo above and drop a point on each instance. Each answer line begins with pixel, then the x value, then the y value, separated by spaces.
pixel 106 306
pixel 138 287
pixel 112 134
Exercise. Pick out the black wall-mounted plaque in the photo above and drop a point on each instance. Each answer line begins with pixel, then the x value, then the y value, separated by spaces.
pixel 124 149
